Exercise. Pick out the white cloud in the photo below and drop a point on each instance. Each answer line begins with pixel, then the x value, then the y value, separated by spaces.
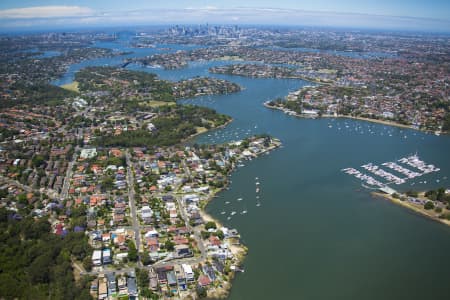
pixel 45 12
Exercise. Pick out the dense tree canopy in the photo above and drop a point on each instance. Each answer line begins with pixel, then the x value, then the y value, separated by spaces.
pixel 35 263
pixel 176 124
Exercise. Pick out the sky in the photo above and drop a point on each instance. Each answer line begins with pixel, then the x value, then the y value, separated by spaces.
pixel 424 15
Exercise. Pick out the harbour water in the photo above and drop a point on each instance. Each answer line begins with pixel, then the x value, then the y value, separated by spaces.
pixel 318 234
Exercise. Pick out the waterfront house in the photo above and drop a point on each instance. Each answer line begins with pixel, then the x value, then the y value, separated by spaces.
pixel 204 280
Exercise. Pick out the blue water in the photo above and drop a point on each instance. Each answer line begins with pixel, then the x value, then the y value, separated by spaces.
pixel 122 45
pixel 318 233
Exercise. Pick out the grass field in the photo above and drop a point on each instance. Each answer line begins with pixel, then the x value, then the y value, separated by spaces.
pixel 159 103
pixel 73 86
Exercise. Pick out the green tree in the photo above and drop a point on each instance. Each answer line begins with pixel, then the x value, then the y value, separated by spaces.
pixel 87 263
pixel 169 245
pixel 146 260
pixel 132 251
pixel 429 205
pixel 210 225
pixel 201 292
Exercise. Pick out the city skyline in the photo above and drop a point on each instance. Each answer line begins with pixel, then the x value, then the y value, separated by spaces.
pixel 412 15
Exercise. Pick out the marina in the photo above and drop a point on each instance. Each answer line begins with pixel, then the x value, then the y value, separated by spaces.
pixel 301 187
pixel 412 161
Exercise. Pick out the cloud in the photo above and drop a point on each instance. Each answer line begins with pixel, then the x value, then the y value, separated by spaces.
pixel 45 12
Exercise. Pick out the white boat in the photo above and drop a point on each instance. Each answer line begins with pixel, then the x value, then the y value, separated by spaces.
pixel 222 213
pixel 227 202
pixel 257 190
pixel 233 213
pixel 257 183
pixel 229 218
pixel 239 199
pixel 243 212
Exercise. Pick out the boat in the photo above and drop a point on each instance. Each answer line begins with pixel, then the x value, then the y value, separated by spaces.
pixel 258 204
pixel 233 213
pixel 257 183
pixel 227 202
pixel 222 213
pixel 257 190
pixel 239 199
pixel 243 212
pixel 229 218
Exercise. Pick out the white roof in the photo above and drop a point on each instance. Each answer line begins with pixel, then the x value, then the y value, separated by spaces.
pixel 187 268
pixel 97 254
pixel 151 232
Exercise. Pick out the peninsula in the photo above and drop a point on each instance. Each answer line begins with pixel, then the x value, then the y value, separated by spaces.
pixel 103 172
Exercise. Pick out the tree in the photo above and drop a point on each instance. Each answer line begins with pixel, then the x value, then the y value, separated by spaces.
pixel 147 293
pixel 146 259
pixel 39 270
pixel 132 251
pixel 219 234
pixel 210 225
pixel 201 292
pixel 142 278
pixel 87 263
pixel 205 234
pixel 169 245
pixel 429 205
pixel 412 193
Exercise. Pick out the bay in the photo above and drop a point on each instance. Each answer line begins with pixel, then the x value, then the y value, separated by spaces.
pixel 318 234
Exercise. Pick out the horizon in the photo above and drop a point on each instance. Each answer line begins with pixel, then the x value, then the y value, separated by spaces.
pixel 144 27
pixel 45 15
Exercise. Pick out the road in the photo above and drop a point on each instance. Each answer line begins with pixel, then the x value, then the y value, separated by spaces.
pixel 196 231
pixel 66 184
pixel 27 188
pixel 104 270
pixel 136 228
pixel 134 218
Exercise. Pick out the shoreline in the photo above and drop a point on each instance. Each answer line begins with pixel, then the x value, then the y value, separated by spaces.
pixel 304 78
pixel 377 121
pixel 207 130
pixel 429 214
pixel 239 251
